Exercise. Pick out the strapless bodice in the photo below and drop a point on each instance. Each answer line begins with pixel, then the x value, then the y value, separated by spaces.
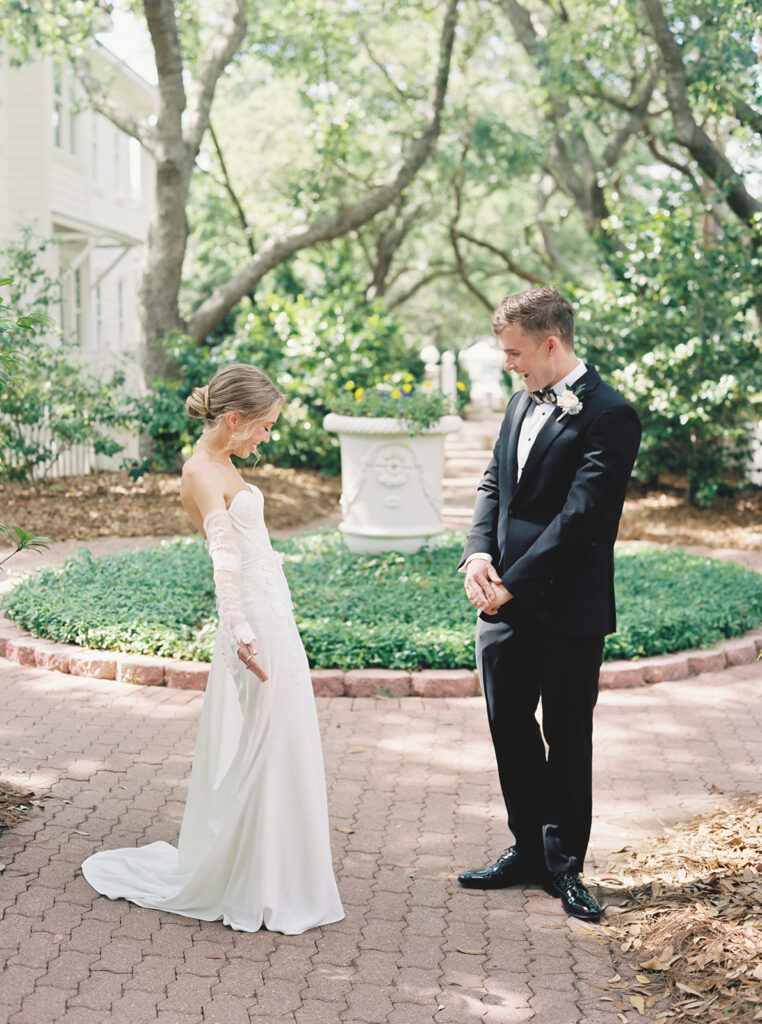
pixel 261 566
pixel 246 512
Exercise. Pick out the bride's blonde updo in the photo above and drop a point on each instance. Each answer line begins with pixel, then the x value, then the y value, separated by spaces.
pixel 236 388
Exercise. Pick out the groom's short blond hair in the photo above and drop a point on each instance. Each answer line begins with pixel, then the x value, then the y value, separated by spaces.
pixel 537 311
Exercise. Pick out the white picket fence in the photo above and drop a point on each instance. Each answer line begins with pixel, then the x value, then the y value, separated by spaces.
pixel 754 466
pixel 78 460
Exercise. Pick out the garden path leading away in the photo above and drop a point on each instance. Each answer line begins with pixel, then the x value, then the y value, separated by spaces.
pixel 413 798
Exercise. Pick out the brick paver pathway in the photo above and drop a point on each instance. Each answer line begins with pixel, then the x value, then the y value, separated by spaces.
pixel 413 798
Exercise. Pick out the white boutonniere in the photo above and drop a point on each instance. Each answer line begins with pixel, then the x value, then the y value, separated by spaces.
pixel 569 403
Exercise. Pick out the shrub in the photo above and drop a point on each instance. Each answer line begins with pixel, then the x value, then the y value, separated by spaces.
pixel 358 611
pixel 310 347
pixel 689 366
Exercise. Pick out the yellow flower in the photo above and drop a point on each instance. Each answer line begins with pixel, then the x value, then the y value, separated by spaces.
pixel 427 384
pixel 407 388
pixel 461 386
pixel 359 393
pixel 349 385
pixel 396 394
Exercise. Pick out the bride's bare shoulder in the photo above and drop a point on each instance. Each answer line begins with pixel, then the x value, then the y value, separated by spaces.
pixel 202 485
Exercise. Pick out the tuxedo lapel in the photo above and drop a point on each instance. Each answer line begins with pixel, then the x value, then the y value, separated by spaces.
pixel 554 426
pixel 522 404
pixel 547 435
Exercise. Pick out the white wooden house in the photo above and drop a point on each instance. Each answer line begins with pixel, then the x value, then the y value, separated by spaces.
pixel 73 176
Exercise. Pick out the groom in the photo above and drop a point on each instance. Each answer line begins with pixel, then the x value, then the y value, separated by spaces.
pixel 539 568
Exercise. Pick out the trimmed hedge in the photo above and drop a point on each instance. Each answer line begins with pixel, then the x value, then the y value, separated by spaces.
pixel 358 611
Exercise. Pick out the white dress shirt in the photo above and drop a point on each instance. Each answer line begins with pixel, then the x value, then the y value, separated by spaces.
pixel 533 422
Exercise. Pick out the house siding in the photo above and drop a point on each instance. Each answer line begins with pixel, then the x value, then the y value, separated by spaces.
pixel 90 200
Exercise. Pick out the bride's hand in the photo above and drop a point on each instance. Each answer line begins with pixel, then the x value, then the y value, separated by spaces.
pixel 247 652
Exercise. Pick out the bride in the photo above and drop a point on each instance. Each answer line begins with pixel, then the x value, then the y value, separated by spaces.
pixel 254 846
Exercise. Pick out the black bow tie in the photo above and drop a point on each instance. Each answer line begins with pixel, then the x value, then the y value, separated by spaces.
pixel 544 395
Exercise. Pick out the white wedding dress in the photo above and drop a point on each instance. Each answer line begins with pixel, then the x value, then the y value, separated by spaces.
pixel 254 847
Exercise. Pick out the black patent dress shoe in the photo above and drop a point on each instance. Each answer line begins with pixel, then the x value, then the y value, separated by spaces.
pixel 510 868
pixel 575 898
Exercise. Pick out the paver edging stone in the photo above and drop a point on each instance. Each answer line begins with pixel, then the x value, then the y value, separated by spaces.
pixel 145 670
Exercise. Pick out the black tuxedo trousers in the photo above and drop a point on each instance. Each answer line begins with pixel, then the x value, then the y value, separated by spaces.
pixel 549 797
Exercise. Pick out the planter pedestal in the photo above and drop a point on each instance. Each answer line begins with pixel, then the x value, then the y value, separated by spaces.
pixel 391 482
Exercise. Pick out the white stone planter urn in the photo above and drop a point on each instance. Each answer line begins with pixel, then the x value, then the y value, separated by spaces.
pixel 391 481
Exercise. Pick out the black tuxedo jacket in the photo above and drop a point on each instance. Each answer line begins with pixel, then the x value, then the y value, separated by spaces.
pixel 551 535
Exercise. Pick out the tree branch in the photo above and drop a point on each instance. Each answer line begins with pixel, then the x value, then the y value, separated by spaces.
pixel 228 184
pixel 525 275
pixel 395 301
pixel 160 17
pixel 221 51
pixel 747 114
pixel 119 116
pixel 463 272
pixel 689 133
pixel 377 63
pixel 389 240
pixel 669 162
pixel 279 247
pixel 634 122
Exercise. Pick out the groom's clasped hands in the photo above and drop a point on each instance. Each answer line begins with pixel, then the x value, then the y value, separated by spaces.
pixel 484 588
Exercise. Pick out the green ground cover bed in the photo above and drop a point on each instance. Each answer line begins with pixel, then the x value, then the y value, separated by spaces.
pixel 358 611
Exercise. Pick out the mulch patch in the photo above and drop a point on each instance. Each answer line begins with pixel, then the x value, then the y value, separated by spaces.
pixel 666 517
pixel 15 804
pixel 687 917
pixel 112 504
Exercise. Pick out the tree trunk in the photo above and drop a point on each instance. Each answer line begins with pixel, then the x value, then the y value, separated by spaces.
pixel 161 274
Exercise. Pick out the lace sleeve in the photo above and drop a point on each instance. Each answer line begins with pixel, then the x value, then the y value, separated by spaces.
pixel 221 543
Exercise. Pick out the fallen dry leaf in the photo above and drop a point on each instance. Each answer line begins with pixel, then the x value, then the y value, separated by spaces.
pixel 471 952
pixel 639 1003
pixel 346 831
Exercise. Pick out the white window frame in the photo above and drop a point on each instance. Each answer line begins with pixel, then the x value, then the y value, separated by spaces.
pixel 64 116
pixel 120 313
